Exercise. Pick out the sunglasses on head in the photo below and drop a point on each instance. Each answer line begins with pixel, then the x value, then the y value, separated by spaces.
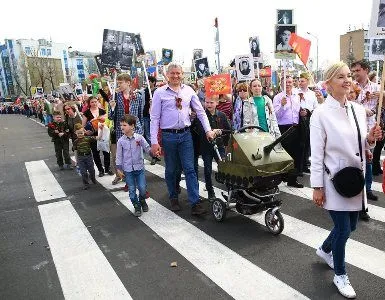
pixel 242 90
pixel 178 102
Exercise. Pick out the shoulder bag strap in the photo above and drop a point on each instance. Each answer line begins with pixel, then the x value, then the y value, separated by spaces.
pixel 359 133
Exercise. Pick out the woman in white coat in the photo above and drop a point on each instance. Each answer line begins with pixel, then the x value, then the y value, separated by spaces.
pixel 259 110
pixel 334 143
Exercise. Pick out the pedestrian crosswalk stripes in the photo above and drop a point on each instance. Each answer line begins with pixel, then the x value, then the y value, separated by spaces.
pixel 220 263
pixel 357 253
pixel 83 270
pixel 44 184
pixel 233 273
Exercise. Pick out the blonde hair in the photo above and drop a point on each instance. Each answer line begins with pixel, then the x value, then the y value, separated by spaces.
pixel 332 71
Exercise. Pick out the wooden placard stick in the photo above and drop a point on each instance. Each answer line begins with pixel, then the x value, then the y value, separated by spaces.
pixel 381 93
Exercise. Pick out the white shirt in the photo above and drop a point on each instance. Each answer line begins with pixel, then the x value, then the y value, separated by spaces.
pixel 310 100
pixel 370 104
pixel 334 143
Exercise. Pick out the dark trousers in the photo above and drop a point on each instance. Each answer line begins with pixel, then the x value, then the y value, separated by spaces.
pixel 207 157
pixel 376 156
pixel 62 150
pixel 98 162
pixel 85 164
pixel 292 146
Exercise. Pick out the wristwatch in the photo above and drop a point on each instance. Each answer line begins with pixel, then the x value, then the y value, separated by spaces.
pixel 317 188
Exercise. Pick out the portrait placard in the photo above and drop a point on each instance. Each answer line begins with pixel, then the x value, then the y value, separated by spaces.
pixel 244 64
pixel 377 20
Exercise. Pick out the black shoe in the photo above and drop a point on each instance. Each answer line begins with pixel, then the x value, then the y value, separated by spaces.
pixel 371 196
pixel 364 216
pixel 295 184
pixel 86 186
pixel 138 210
pixel 61 168
pixel 144 205
pixel 93 179
pixel 306 170
pixel 197 210
pixel 175 205
pixel 101 174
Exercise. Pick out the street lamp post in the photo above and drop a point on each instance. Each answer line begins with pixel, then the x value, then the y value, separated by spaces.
pixel 316 37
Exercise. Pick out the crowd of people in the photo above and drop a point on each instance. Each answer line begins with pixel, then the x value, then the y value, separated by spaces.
pixel 179 121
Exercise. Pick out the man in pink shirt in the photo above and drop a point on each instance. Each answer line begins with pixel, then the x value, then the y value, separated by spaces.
pixel 170 111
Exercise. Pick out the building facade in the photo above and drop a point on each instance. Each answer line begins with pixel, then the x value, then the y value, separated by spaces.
pixel 354 45
pixel 26 64
pixel 81 65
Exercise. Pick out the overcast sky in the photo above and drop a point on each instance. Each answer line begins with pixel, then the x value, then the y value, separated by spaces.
pixel 183 25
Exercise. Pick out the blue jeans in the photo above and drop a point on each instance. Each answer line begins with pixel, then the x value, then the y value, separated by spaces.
pixel 368 177
pixel 345 222
pixel 146 129
pixel 136 179
pixel 208 167
pixel 180 145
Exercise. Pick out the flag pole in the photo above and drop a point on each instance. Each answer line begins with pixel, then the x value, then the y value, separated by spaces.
pixel 147 81
pixel 284 76
pixel 217 44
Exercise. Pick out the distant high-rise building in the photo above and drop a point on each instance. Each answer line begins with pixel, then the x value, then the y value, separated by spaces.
pixel 354 45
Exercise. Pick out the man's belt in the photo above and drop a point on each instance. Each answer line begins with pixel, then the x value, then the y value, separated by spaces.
pixel 176 130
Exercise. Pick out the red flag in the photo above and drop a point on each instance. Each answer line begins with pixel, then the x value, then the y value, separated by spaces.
pixel 300 46
pixel 218 85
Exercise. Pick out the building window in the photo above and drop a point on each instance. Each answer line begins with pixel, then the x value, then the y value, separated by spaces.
pixel 366 54
pixel 367 41
pixel 49 52
pixel 27 50
pixel 43 52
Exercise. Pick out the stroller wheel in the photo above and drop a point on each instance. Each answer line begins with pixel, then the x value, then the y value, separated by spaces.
pixel 274 221
pixel 218 210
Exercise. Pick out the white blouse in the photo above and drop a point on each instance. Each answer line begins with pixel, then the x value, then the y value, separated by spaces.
pixel 334 143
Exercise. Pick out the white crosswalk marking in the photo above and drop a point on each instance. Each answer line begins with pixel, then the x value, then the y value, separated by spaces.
pixel 376 212
pixel 233 273
pixel 358 254
pixel 44 184
pixel 83 270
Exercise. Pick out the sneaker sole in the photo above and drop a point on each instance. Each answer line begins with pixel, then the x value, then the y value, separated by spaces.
pixel 343 294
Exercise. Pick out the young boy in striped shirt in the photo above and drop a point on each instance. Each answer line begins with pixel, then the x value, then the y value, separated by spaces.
pixel 84 155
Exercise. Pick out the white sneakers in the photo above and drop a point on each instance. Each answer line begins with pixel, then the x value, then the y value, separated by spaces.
pixel 344 287
pixel 327 257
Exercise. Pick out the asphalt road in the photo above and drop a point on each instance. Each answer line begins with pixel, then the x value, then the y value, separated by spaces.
pixel 58 241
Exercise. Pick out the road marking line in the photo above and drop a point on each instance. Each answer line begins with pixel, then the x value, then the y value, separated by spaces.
pixel 83 270
pixel 358 254
pixel 375 212
pixel 44 185
pixel 41 124
pixel 234 274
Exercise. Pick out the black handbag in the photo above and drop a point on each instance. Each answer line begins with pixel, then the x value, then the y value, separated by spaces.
pixel 349 181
